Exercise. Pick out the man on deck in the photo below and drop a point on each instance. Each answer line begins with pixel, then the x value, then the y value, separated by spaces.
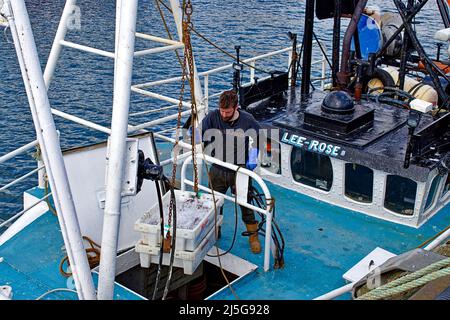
pixel 233 133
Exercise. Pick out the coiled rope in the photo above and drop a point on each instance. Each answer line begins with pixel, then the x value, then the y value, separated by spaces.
pixel 410 281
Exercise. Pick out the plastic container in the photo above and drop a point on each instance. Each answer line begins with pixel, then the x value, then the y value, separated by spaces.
pixel 187 238
pixel 188 260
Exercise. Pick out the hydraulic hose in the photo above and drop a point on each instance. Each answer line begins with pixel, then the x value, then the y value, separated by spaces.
pixel 342 74
pixel 235 226
pixel 161 251
pixel 174 231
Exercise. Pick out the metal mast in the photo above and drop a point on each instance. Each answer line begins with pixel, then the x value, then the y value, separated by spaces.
pixel 47 136
pixel 117 145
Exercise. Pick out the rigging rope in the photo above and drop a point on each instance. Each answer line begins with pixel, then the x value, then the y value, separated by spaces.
pixel 410 281
pixel 169 34
pixel 229 54
pixel 216 46
pixel 323 50
pixel 187 26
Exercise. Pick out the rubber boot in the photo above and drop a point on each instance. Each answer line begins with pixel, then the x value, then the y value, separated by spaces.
pixel 255 245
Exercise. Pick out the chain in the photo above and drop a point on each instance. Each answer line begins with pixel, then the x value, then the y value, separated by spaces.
pixel 187 24
pixel 175 152
pixel 188 59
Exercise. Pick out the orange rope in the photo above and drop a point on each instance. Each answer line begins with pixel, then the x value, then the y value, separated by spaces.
pixel 93 255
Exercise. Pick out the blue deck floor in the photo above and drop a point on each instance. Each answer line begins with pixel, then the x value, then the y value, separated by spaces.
pixel 31 262
pixel 322 243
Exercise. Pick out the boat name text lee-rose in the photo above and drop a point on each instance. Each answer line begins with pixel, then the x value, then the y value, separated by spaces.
pixel 312 145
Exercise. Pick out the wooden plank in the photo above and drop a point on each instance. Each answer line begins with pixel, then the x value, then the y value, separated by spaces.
pixel 432 289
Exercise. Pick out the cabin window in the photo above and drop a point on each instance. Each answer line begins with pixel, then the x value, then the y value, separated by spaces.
pixel 358 182
pixel 271 160
pixel 432 192
pixel 400 195
pixel 312 169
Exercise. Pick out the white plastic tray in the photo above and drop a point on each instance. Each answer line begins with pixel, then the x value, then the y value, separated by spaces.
pixel 187 239
pixel 187 260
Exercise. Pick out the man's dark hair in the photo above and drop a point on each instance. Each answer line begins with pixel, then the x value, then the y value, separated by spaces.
pixel 228 99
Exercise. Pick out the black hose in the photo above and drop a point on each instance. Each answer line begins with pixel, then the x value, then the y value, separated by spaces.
pixel 174 231
pixel 161 249
pixel 257 200
pixel 234 234
pixel 382 75
pixel 391 101
pixel 383 99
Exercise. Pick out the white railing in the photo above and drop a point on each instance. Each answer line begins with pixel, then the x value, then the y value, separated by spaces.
pixel 139 88
pixel 187 157
pixel 7 222
pixel 18 151
pixel 256 178
pixel 40 167
pixel 14 182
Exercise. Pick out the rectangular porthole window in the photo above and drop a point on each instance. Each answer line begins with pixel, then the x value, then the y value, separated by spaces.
pixel 358 182
pixel 312 169
pixel 400 195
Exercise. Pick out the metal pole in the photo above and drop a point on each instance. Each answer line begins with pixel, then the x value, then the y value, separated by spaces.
pixel 438 240
pixel 343 76
pixel 41 174
pixel 404 54
pixel 336 39
pixel 431 68
pixel 294 56
pixel 337 292
pixel 307 47
pixel 206 84
pixel 49 142
pixel 443 9
pixel 117 147
pixel 56 47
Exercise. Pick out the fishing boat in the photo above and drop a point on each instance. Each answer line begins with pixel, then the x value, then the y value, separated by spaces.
pixel 351 186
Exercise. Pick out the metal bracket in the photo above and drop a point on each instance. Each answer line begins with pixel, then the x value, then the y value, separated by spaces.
pixel 129 181
pixel 101 197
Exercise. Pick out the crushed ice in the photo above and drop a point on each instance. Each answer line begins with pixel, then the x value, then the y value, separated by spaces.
pixel 190 211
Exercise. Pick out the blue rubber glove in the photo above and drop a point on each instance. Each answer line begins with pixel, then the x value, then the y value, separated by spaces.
pixel 252 161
